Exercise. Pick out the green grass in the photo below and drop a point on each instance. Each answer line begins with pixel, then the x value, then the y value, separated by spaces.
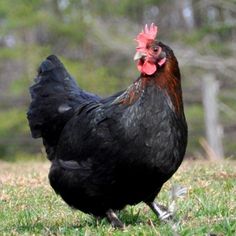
pixel 28 205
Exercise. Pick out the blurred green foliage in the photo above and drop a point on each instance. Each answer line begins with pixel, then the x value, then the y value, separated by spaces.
pixel 94 39
pixel 13 131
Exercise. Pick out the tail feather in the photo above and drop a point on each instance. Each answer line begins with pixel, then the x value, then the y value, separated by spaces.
pixel 55 98
pixel 49 64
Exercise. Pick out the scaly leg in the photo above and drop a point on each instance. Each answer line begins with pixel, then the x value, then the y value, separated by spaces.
pixel 114 220
pixel 161 211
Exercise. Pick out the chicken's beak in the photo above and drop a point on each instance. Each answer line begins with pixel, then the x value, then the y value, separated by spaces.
pixel 139 55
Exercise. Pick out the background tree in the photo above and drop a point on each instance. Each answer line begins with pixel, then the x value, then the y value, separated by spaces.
pixel 95 41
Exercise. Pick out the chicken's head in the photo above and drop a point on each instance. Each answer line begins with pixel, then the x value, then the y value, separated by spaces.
pixel 148 52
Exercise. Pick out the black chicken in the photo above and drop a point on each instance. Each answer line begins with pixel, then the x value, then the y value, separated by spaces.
pixel 107 153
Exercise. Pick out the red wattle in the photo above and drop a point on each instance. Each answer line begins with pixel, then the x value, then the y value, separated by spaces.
pixel 146 67
pixel 149 68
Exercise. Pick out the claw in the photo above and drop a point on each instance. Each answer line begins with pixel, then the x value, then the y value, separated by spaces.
pixel 114 220
pixel 178 191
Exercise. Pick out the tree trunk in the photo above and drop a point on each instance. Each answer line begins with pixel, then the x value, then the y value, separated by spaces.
pixel 213 129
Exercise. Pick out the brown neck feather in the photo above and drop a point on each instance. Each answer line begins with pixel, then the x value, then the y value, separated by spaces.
pixel 169 79
pixel 132 93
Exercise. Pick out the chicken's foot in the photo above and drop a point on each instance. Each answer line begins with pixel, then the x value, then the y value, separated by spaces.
pixel 162 212
pixel 114 220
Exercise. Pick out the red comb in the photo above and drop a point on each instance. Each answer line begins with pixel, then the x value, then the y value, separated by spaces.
pixel 146 36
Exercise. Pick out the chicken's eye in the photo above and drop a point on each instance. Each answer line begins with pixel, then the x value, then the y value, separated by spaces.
pixel 155 49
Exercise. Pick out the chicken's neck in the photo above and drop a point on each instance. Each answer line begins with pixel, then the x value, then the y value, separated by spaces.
pixel 167 81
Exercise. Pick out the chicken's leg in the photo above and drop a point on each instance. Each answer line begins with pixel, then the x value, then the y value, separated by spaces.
pixel 161 211
pixel 114 220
